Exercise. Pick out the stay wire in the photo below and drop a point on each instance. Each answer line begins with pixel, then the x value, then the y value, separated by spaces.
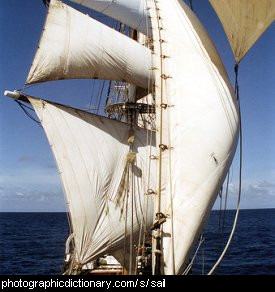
pixel 189 267
pixel 220 211
pixel 149 134
pixel 225 202
pixel 191 5
pixel 22 106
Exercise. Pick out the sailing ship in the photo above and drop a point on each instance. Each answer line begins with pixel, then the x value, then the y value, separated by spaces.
pixel 141 179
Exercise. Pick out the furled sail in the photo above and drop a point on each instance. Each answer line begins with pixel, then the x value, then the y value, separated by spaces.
pixel 197 127
pixel 244 21
pixel 73 45
pixel 93 156
pixel 130 12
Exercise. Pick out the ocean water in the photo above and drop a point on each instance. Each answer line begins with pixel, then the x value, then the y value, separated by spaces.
pixel 34 243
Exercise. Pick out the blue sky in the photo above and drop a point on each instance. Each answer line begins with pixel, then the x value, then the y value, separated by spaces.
pixel 29 179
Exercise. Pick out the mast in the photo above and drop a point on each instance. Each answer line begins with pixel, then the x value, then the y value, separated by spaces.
pixel 161 125
pixel 158 235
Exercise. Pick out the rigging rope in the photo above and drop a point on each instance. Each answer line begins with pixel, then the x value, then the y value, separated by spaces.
pixel 188 268
pixel 149 137
pixel 191 5
pixel 220 212
pixel 46 3
pixel 92 95
pixel 22 106
pixel 225 202
pixel 240 176
pixel 158 237
pixel 171 188
pixel 126 217
pixel 132 223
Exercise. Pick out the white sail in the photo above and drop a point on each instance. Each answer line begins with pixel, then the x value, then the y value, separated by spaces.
pixel 199 127
pixel 129 12
pixel 91 153
pixel 244 21
pixel 73 45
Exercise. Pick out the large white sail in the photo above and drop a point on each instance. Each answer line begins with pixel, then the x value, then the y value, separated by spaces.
pixel 130 12
pixel 244 21
pixel 73 45
pixel 92 154
pixel 197 126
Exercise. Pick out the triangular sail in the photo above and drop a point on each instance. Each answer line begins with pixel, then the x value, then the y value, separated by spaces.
pixel 129 12
pixel 92 154
pixel 244 21
pixel 75 46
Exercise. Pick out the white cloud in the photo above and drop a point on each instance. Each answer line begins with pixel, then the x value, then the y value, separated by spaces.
pixel 254 194
pixel 31 189
pixel 25 200
pixel 15 194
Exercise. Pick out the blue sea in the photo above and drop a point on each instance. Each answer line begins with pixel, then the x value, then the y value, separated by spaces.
pixel 34 243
